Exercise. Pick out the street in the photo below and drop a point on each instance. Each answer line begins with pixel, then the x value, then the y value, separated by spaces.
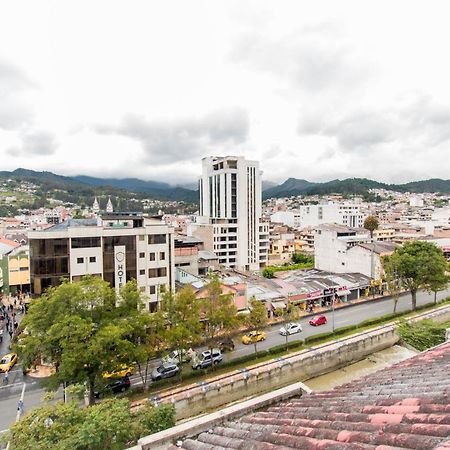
pixel 10 394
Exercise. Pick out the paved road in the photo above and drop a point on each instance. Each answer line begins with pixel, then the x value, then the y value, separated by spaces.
pixel 9 395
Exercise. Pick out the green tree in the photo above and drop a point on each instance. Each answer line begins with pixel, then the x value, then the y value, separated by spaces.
pixel 371 224
pixel 438 281
pixel 268 272
pixel 220 313
pixel 81 330
pixel 290 314
pixel 417 264
pixel 181 313
pixel 392 279
pixel 257 319
pixel 108 425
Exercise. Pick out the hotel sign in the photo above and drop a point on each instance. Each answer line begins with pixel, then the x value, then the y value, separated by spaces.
pixel 120 268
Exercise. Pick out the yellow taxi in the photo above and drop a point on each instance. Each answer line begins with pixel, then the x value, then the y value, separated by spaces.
pixel 253 336
pixel 7 362
pixel 121 372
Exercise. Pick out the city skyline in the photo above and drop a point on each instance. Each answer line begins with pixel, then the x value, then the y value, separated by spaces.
pixel 312 91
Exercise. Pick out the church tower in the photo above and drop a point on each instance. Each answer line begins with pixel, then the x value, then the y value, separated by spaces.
pixel 109 206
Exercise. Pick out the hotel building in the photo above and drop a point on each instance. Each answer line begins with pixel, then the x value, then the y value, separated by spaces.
pixel 117 247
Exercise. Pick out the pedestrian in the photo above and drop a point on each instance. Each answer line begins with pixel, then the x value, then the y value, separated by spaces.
pixel 16 324
pixel 10 334
pixel 6 378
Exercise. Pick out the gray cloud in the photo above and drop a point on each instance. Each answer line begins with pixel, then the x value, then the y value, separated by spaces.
pixel 184 139
pixel 34 143
pixel 14 112
pixel 39 143
pixel 418 122
pixel 312 59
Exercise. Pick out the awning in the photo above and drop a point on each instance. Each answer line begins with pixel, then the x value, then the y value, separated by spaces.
pixel 342 293
pixel 279 304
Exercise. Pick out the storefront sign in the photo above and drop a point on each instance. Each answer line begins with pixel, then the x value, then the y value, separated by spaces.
pixel 120 268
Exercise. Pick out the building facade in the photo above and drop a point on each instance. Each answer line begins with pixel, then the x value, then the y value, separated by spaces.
pixel 117 247
pixel 230 222
pixel 347 214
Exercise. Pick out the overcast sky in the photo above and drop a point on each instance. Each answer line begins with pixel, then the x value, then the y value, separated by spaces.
pixel 313 89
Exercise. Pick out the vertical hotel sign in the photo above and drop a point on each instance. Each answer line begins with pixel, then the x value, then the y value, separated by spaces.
pixel 120 269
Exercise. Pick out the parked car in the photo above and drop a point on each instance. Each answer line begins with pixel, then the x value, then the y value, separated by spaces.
pixel 7 362
pixel 121 372
pixel 290 328
pixel 115 386
pixel 165 370
pixel 174 356
pixel 253 336
pixel 226 345
pixel 318 320
pixel 207 358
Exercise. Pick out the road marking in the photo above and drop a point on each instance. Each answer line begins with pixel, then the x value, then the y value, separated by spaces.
pixel 10 385
pixel 20 404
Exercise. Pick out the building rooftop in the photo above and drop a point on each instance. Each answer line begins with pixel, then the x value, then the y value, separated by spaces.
pixel 404 406
pixel 379 247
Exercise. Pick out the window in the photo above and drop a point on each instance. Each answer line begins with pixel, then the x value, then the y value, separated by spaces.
pixel 92 259
pixel 162 256
pixel 152 256
pixel 156 273
pixel 142 272
pixel 142 288
pixel 80 260
pixel 152 289
pixel 142 255
pixel 141 237
pixel 157 239
pixel 85 242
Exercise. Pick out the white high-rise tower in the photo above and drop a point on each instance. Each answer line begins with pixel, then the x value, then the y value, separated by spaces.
pixel 230 212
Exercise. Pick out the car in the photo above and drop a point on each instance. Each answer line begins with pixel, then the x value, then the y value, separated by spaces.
pixel 174 356
pixel 290 328
pixel 253 336
pixel 318 320
pixel 226 345
pixel 7 362
pixel 207 358
pixel 165 370
pixel 121 372
pixel 115 386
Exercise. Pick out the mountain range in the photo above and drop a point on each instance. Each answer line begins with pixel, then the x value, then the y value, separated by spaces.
pixel 356 186
pixel 164 191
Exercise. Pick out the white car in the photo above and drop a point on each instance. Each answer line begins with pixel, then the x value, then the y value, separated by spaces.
pixel 291 328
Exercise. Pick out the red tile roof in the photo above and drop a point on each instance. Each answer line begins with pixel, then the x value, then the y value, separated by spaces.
pixel 403 406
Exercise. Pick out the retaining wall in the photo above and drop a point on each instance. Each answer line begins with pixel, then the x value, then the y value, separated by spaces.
pixel 238 385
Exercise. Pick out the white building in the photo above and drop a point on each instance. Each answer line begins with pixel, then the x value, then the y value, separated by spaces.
pixel 230 222
pixel 347 214
pixel 341 249
pixel 117 247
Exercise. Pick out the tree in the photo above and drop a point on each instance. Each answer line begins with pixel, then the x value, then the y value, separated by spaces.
pixel 257 319
pixel 268 272
pixel 290 314
pixel 107 425
pixel 371 224
pixel 417 265
pixel 437 281
pixel 219 311
pixel 81 330
pixel 392 279
pixel 181 313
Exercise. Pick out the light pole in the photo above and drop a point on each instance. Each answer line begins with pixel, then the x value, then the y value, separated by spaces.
pixel 332 310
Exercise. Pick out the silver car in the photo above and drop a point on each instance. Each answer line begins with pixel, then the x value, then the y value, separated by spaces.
pixel 290 328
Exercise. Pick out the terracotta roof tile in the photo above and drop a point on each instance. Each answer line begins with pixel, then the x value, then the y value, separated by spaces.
pixel 405 406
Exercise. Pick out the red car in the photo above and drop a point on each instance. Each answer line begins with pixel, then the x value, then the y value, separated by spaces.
pixel 318 320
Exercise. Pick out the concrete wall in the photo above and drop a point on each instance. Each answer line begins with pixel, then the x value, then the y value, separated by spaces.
pixel 221 390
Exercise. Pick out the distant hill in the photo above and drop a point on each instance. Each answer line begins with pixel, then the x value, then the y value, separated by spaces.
pixel 83 185
pixel 155 189
pixel 355 186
